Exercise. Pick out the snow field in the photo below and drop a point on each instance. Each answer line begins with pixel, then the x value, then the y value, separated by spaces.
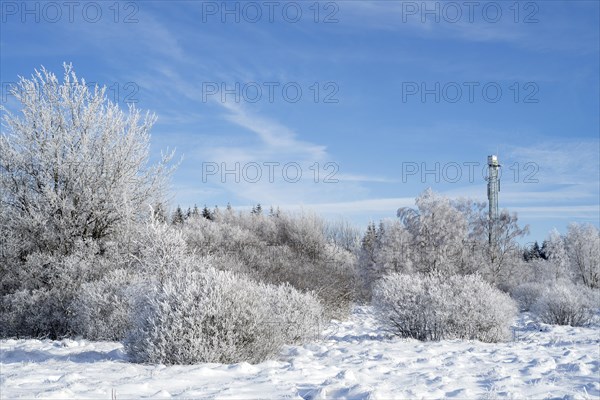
pixel 355 359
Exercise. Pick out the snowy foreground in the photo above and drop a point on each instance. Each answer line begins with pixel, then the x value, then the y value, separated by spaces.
pixel 354 360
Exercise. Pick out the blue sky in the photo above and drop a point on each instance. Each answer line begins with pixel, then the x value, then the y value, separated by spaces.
pixel 388 89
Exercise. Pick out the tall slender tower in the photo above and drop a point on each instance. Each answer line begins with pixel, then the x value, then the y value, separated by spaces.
pixel 493 189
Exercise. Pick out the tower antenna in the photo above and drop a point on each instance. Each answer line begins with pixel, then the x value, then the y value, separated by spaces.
pixel 493 188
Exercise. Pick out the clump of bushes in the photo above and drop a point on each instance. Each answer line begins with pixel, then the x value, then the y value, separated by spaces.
pixel 565 303
pixel 526 294
pixel 86 248
pixel 433 307
pixel 281 248
pixel 36 297
pixel 199 314
pixel 102 308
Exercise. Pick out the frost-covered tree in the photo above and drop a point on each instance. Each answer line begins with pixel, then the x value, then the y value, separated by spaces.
pixel 158 213
pixel 195 212
pixel 583 248
pixel 75 180
pixel 556 253
pixel 178 216
pixel 369 241
pixel 73 165
pixel 343 234
pixel 504 254
pixel 533 252
pixel 438 232
pixel 500 260
pixel 394 252
pixel 192 212
pixel 366 258
pixel 385 250
pixel 207 214
pixel 257 209
pixel 473 256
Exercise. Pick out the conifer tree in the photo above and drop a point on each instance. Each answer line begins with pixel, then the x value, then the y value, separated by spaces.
pixel 178 218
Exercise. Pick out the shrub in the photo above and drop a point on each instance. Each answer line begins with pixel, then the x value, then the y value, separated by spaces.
pixel 479 310
pixel 159 248
pixel 526 294
pixel 331 274
pixel 567 304
pixel 278 249
pixel 35 313
pixel 39 305
pixel 199 314
pixel 431 307
pixel 102 309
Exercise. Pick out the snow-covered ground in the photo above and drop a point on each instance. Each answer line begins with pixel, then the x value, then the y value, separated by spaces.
pixel 354 360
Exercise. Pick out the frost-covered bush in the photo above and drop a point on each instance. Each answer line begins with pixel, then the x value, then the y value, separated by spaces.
pixel 297 316
pixel 280 248
pixel 188 312
pixel 526 294
pixel 432 307
pixel 199 314
pixel 102 309
pixel 404 303
pixel 331 275
pixel 159 248
pixel 37 295
pixel 213 237
pixel 35 313
pixel 478 310
pixel 567 304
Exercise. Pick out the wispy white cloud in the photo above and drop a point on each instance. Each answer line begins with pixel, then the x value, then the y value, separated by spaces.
pixel 273 142
pixel 273 134
pixel 562 162
pixel 365 178
pixel 568 212
pixel 357 206
pixel 434 19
